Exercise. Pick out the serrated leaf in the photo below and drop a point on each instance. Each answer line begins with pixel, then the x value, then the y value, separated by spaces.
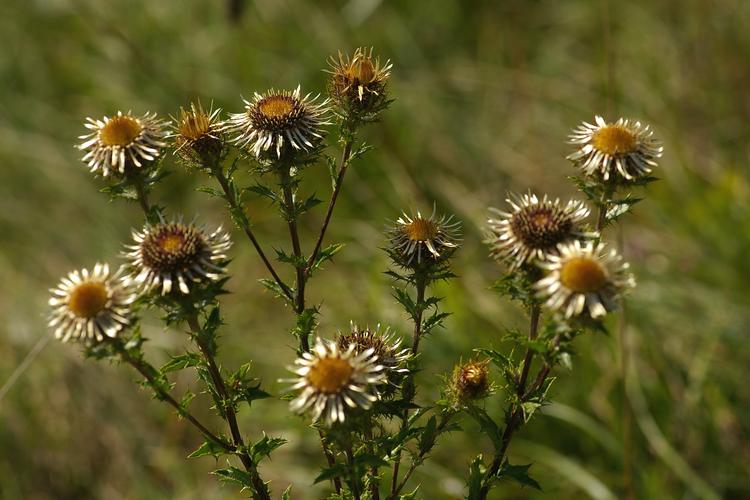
pixel 234 475
pixel 487 425
pixel 428 436
pixel 287 494
pixel 208 448
pixel 181 362
pixel 476 475
pixel 264 447
pixel 337 470
pixel 519 474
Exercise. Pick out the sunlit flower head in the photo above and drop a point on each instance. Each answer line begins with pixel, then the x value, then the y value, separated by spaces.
pixel 173 253
pixel 584 278
pixel 90 305
pixel 358 81
pixel 386 348
pixel 122 142
pixel 417 239
pixel 197 135
pixel 533 227
pixel 278 120
pixel 331 379
pixel 625 148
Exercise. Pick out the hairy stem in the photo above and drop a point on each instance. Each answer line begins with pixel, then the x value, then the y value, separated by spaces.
pixel 343 166
pixel 229 197
pixel 331 459
pixel 226 408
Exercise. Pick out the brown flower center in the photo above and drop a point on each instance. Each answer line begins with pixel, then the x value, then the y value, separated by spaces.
pixel 472 380
pixel 88 299
pixel 172 247
pixel 614 139
pixel 421 229
pixel 120 131
pixel 541 227
pixel 583 275
pixel 276 106
pixel 330 375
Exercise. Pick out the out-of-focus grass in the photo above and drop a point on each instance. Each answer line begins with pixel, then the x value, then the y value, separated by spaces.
pixel 486 93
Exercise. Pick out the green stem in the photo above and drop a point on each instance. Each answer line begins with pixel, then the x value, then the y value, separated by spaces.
pixel 343 166
pixel 227 409
pixel 233 204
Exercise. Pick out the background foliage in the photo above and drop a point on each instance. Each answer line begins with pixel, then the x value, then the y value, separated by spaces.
pixel 486 94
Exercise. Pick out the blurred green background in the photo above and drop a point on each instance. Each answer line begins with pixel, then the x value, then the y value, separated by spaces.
pixel 486 94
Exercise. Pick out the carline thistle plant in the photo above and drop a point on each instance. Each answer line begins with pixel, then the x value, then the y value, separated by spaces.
pixel 358 388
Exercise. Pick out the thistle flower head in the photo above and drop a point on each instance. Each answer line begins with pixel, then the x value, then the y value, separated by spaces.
pixel 625 149
pixel 197 135
pixel 469 381
pixel 418 239
pixel 122 142
pixel 533 228
pixel 90 305
pixel 278 120
pixel 169 253
pixel 358 81
pixel 331 379
pixel 584 278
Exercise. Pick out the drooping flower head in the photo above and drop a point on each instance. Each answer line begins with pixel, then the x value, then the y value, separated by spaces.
pixel 169 254
pixel 359 81
pixel 90 305
pixel 122 142
pixel 533 228
pixel 197 135
pixel 418 239
pixel 332 379
pixel 584 278
pixel 278 120
pixel 625 149
pixel 469 381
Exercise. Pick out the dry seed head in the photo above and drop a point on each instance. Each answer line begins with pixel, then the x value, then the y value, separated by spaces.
pixel 583 278
pixel 197 135
pixel 414 239
pixel 359 81
pixel 621 151
pixel 90 305
pixel 470 381
pixel 533 228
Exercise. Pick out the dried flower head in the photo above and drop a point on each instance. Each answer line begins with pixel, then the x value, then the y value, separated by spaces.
pixel 626 148
pixel 332 379
pixel 359 81
pixel 197 135
pixel 414 239
pixel 277 120
pixel 533 228
pixel 90 305
pixel 122 142
pixel 384 344
pixel 584 278
pixel 470 381
pixel 166 253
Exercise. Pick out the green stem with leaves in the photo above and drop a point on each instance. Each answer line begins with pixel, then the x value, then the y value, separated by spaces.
pixel 226 406
pixel 516 417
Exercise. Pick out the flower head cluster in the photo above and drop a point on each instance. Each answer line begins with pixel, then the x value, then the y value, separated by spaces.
pixel 624 150
pixel 121 142
pixel 415 240
pixel 331 379
pixel 172 254
pixel 278 120
pixel 358 83
pixel 197 135
pixel 90 305
pixel 584 278
pixel 533 228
